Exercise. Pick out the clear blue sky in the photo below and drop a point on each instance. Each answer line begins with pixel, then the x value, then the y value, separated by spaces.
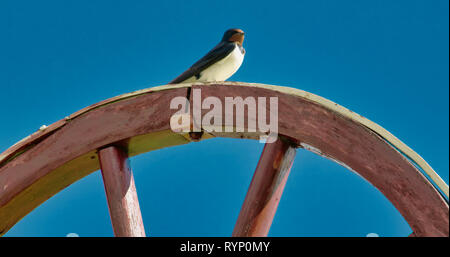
pixel 387 60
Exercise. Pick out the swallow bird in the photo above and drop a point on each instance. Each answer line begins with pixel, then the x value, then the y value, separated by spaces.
pixel 218 64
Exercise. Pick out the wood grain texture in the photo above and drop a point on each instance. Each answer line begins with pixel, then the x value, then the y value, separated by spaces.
pixel 43 164
pixel 123 203
pixel 361 150
pixel 139 123
pixel 265 190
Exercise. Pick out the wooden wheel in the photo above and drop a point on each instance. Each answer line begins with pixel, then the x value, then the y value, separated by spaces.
pixel 107 133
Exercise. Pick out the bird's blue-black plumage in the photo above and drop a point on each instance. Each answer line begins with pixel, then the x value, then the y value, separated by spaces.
pixel 220 51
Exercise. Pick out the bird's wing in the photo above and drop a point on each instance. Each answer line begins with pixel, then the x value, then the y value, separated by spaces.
pixel 219 52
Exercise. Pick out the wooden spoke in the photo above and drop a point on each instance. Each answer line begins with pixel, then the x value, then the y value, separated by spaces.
pixel 265 190
pixel 120 190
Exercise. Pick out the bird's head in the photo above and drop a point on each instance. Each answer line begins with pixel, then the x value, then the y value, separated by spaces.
pixel 234 35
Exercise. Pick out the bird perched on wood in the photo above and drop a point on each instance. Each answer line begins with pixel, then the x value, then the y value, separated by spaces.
pixel 218 64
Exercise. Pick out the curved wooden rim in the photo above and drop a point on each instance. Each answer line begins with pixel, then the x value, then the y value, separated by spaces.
pixel 42 164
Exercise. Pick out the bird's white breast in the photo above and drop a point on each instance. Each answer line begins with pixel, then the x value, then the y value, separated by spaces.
pixel 225 68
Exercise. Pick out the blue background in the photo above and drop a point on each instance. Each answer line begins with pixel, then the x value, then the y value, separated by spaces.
pixel 387 60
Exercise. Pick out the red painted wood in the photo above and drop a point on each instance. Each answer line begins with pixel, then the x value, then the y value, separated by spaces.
pixel 121 193
pixel 360 149
pixel 92 130
pixel 30 172
pixel 266 188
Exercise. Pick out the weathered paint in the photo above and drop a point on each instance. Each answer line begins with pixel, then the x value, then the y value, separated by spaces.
pixel 41 165
pixel 266 188
pixel 123 203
